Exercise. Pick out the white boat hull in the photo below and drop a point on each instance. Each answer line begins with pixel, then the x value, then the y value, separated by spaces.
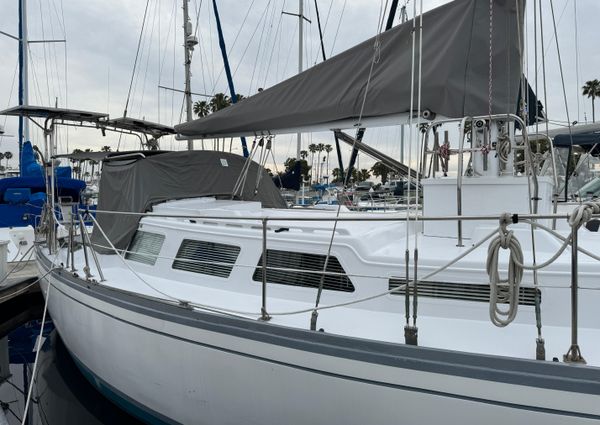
pixel 201 368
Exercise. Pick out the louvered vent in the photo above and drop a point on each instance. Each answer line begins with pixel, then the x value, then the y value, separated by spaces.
pixel 461 291
pixel 209 258
pixel 145 247
pixel 300 269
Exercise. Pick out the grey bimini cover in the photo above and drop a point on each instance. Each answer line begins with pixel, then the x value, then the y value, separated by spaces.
pixel 455 76
pixel 134 185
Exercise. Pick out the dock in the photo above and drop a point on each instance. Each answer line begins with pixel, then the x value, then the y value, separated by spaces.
pixel 22 279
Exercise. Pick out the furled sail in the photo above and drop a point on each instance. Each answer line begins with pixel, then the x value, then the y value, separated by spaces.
pixel 455 76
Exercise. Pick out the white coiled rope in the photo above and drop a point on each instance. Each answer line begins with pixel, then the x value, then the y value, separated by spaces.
pixel 584 213
pixel 506 291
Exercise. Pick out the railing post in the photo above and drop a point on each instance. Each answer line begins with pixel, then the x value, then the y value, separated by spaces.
pixel 459 178
pixel 86 236
pixel 574 353
pixel 71 244
pixel 263 310
pixel 86 268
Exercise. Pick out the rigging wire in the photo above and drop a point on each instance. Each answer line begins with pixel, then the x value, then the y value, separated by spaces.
pixel 262 32
pixel 263 14
pixel 62 13
pixel 544 70
pixel 150 37
pixel 141 61
pixel 375 59
pixel 577 59
pixel 327 17
pixel 12 88
pixel 276 40
pixel 44 50
pixel 338 28
pixel 290 49
pixel 158 66
pixel 264 65
pixel 553 35
pixel 135 62
pixel 201 49
pixel 420 140
pixel 562 77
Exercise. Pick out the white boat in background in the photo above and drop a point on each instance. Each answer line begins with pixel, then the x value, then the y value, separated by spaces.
pixel 200 298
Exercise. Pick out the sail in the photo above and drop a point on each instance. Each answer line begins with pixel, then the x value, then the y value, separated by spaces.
pixel 455 76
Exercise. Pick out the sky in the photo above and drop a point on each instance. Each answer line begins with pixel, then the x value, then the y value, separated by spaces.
pixel 93 69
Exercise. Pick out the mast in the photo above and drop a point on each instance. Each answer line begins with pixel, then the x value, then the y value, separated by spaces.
pixel 189 42
pixel 300 47
pixel 23 75
pixel 234 96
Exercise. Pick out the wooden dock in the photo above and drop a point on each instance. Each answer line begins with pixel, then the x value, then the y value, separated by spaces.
pixel 22 279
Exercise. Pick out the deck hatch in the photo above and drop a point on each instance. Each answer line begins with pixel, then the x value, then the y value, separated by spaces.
pixel 462 291
pixel 145 247
pixel 210 258
pixel 303 269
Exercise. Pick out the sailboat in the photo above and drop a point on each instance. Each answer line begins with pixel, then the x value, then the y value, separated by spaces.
pixel 206 301
pixel 22 198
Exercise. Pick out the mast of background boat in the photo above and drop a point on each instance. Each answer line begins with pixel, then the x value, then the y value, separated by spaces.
pixel 300 46
pixel 234 96
pixel 23 76
pixel 189 41
pixel 301 19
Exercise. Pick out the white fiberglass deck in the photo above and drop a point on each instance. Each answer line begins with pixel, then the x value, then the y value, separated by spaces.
pixel 371 253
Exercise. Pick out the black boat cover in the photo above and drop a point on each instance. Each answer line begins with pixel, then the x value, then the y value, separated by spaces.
pixel 455 76
pixel 137 183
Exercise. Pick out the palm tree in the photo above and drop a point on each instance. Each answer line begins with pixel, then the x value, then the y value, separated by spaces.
pixel 105 149
pixel 303 154
pixel 363 175
pixel 219 101
pixel 312 148
pixel 337 175
pixel 7 155
pixel 328 150
pixel 592 90
pixel 379 169
pixel 320 148
pixel 201 108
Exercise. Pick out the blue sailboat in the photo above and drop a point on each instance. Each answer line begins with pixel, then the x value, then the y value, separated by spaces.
pixel 22 198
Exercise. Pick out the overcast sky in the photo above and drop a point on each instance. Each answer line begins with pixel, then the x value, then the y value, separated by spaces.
pixel 102 38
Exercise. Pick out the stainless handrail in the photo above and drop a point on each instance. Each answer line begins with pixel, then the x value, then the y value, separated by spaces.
pixel 362 218
pixel 85 236
pixel 263 310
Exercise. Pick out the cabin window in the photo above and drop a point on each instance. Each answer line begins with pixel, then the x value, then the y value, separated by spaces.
pixel 302 269
pixel 210 258
pixel 461 291
pixel 145 247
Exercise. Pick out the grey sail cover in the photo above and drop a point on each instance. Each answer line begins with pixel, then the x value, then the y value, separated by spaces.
pixel 134 185
pixel 455 76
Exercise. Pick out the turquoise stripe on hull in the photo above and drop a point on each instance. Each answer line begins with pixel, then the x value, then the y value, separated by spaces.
pixel 126 403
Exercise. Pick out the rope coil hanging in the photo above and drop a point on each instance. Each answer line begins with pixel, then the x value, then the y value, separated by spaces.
pixel 504 291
